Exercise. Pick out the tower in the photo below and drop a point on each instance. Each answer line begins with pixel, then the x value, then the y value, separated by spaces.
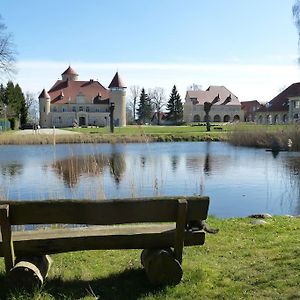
pixel 69 74
pixel 44 101
pixel 117 92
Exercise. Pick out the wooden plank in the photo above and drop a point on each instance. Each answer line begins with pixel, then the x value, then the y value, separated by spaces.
pixel 106 212
pixel 180 229
pixel 100 238
pixel 7 243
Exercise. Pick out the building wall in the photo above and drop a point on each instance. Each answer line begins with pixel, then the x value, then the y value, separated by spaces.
pixel 294 110
pixel 218 113
pixel 272 117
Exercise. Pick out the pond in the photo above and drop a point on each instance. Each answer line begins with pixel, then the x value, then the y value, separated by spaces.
pixel 239 181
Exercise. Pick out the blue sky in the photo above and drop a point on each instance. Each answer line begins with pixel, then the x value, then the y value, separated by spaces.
pixel 250 47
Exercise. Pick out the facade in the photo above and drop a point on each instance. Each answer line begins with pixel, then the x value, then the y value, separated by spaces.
pixel 283 109
pixel 226 107
pixel 71 102
pixel 249 108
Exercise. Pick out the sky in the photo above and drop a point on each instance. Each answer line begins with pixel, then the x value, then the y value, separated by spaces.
pixel 250 47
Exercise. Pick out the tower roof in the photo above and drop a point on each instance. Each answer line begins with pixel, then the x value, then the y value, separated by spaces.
pixel 44 94
pixel 69 71
pixel 116 82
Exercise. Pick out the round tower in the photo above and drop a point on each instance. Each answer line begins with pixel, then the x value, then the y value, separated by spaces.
pixel 44 103
pixel 117 92
pixel 69 74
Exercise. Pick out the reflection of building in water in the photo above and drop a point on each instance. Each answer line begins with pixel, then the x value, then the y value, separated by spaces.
pixel 11 170
pixel 72 168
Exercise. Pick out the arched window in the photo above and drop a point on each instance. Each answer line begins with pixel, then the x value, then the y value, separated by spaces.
pixel 226 118
pixel 217 118
pixel 236 118
pixel 196 118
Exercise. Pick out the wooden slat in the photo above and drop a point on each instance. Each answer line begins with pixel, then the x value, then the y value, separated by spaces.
pixel 180 229
pixel 99 238
pixel 106 212
pixel 7 244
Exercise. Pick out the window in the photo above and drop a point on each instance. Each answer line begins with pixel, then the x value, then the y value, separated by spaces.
pixel 74 109
pixel 63 109
pixel 297 104
pixel 87 109
pixel 80 108
pixel 54 109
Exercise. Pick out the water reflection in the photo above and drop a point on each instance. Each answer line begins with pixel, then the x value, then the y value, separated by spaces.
pixel 174 162
pixel 239 181
pixel 11 170
pixel 71 169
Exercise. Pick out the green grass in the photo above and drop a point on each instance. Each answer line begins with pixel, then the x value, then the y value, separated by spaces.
pixel 241 262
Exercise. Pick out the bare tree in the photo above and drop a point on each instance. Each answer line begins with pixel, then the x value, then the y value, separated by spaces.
pixel 195 87
pixel 135 91
pixel 158 99
pixel 7 52
pixel 32 106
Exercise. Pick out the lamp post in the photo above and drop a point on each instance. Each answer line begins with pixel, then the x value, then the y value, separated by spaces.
pixel 111 115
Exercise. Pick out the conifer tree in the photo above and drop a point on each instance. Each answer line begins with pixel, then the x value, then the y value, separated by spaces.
pixel 174 106
pixel 144 110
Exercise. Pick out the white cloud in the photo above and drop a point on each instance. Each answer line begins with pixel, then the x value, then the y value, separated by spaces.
pixel 247 81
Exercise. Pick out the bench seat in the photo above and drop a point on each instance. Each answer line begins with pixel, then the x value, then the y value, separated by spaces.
pixel 51 241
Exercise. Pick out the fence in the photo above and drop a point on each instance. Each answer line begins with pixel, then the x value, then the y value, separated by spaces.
pixel 4 125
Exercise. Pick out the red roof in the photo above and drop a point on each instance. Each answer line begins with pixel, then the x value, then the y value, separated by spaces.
pixel 281 101
pixel 225 96
pixel 69 71
pixel 65 91
pixel 44 94
pixel 250 106
pixel 117 82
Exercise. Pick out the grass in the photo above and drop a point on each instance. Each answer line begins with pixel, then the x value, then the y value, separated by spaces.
pixel 243 261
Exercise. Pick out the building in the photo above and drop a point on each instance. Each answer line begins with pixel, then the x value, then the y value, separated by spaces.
pixel 249 108
pixel 226 107
pixel 283 109
pixel 71 102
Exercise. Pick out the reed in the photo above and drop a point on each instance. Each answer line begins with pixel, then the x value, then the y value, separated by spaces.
pixel 266 137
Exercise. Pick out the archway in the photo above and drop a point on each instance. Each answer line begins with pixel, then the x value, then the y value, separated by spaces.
pixel 217 118
pixel 226 118
pixel 196 118
pixel 236 118
pixel 82 121
pixel 284 119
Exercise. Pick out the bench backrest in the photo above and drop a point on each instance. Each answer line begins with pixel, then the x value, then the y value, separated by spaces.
pixel 106 212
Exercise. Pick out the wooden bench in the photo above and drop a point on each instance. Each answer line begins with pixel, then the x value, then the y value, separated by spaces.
pixel 163 242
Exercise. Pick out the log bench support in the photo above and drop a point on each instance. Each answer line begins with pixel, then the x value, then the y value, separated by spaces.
pixel 26 253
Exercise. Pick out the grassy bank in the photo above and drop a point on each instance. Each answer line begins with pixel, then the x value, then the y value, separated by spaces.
pixel 243 261
pixel 129 134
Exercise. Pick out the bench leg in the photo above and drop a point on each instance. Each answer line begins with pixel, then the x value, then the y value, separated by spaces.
pixel 7 243
pixel 161 267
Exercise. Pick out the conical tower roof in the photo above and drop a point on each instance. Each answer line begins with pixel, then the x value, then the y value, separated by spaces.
pixel 44 94
pixel 69 71
pixel 116 82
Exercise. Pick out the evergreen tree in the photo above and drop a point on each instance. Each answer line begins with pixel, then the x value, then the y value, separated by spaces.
pixel 144 110
pixel 174 106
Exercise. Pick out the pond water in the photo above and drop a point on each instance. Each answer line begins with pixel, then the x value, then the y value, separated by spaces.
pixel 239 181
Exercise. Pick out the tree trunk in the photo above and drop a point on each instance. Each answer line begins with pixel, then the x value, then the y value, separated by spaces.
pixel 161 267
pixel 30 272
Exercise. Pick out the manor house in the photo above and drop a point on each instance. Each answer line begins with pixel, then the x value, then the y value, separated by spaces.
pixel 226 107
pixel 71 102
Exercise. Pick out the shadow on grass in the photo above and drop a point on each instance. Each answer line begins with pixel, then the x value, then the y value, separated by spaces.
pixel 130 284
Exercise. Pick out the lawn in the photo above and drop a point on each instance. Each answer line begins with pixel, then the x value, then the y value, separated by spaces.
pixel 242 261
